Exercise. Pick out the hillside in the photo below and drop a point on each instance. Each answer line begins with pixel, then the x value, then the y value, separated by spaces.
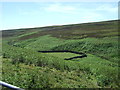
pixel 97 29
pixel 98 41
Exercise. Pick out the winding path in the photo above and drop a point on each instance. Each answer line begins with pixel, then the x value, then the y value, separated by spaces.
pixel 82 55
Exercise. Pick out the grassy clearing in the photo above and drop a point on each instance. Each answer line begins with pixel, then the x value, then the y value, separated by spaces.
pixel 62 55
pixel 42 43
pixel 106 48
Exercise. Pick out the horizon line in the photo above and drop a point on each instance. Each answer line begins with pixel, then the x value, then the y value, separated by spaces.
pixel 57 25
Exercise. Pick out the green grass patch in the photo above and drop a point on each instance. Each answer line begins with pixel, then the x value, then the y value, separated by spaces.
pixel 62 55
pixel 26 34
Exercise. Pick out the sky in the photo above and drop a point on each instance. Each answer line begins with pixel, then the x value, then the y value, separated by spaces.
pixel 16 15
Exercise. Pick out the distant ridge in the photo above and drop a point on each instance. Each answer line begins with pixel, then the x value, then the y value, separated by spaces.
pixel 60 25
pixel 71 30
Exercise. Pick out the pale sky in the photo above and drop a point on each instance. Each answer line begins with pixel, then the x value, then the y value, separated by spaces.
pixel 38 14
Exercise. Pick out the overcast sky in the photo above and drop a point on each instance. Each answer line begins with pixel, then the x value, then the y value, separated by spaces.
pixel 38 14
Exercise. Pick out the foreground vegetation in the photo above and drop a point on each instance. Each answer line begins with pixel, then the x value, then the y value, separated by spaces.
pixel 32 69
pixel 39 77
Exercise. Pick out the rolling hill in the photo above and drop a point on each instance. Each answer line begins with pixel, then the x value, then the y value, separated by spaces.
pixel 98 40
